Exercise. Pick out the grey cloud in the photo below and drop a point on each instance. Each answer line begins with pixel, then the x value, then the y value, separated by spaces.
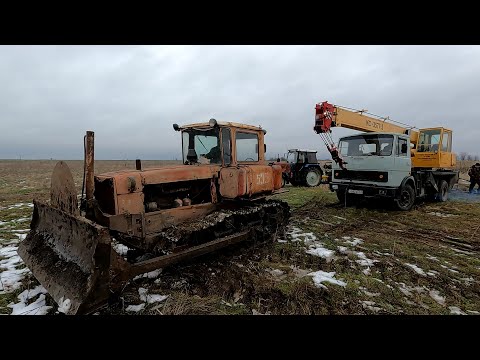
pixel 131 95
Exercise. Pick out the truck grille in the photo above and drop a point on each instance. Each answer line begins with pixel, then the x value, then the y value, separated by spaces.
pixel 377 176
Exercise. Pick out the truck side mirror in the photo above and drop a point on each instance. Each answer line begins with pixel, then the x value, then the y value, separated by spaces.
pixel 265 147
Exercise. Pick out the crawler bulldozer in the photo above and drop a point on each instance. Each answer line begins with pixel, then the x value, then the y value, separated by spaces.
pixel 132 222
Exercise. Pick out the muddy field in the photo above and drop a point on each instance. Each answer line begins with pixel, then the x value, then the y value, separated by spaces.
pixel 368 259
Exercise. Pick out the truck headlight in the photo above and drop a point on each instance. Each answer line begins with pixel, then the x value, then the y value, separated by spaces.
pixel 335 187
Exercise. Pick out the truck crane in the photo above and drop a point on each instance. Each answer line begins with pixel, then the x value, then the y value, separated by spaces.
pixel 389 160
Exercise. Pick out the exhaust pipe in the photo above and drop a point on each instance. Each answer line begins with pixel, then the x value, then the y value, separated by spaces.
pixel 89 172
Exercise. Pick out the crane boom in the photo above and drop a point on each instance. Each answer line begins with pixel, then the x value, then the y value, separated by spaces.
pixel 329 115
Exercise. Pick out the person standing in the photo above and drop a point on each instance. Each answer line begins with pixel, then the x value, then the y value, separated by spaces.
pixel 474 174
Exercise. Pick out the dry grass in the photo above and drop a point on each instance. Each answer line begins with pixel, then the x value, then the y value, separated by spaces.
pixel 435 237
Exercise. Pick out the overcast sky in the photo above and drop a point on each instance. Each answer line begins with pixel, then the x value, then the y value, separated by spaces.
pixel 131 95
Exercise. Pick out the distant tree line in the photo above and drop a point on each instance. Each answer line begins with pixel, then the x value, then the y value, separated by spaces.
pixel 469 157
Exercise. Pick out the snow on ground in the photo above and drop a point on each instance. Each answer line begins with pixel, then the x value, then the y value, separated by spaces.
pixel 439 214
pixel 416 269
pixel 321 276
pixel 150 275
pixel 64 305
pixel 451 270
pixel 10 275
pixel 318 250
pixel 135 308
pixel 150 298
pixel 455 310
pixel 473 312
pixel 38 307
pixel 432 273
pixel 435 295
pixel 354 242
pixel 120 249
pixel 368 293
pixel 363 260
pixel 430 257
pixel 297 234
pixel 370 306
pixel 342 249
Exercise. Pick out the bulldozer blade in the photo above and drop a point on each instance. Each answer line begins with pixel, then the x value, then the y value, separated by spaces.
pixel 70 256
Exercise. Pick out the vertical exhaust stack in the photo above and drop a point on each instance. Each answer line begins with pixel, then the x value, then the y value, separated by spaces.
pixel 89 171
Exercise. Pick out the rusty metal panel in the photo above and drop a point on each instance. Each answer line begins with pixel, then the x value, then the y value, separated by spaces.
pixel 127 183
pixel 130 203
pixel 259 179
pixel 179 173
pixel 156 221
pixel 233 182
pixel 277 176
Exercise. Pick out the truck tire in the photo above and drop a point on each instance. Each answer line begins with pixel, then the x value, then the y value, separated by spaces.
pixel 406 198
pixel 442 194
pixel 312 178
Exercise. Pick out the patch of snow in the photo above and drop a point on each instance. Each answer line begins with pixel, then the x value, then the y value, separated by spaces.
pixel 468 280
pixel 354 242
pixel 64 305
pixel 370 306
pixel 430 257
pixel 255 312
pixel 364 261
pixel 321 276
pixel 439 214
pixel 455 310
pixel 150 298
pixel 432 273
pixel 366 271
pixel 276 272
pixel 318 250
pixel 346 237
pixel 150 275
pixel 462 252
pixel 11 277
pixel 446 267
pixel 377 280
pixel 135 308
pixel 38 307
pixel 435 295
pixel 342 249
pixel 21 236
pixel 297 234
pixel 23 219
pixel 416 269
pixel 473 312
pixel 120 249
pixel 339 217
pixel 368 293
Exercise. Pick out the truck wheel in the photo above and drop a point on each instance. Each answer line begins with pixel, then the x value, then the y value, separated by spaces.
pixel 406 199
pixel 313 178
pixel 442 194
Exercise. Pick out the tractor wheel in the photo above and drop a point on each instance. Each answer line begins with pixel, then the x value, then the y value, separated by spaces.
pixel 406 199
pixel 313 178
pixel 442 194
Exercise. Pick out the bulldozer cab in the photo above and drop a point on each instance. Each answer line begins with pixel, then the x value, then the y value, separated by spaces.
pixel 226 144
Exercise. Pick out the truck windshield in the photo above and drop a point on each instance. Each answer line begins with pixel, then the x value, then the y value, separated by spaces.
pixel 201 146
pixel 366 145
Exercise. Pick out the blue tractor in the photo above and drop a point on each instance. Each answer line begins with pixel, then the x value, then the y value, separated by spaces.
pixel 303 168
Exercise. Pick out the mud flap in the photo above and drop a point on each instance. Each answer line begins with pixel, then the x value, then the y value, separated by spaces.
pixel 70 256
